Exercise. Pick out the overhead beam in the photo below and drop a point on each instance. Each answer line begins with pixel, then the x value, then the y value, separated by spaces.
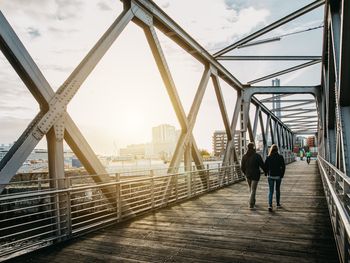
pixel 277 96
pixel 293 105
pixel 285 71
pixel 170 28
pixel 267 58
pixel 270 100
pixel 301 109
pixel 272 26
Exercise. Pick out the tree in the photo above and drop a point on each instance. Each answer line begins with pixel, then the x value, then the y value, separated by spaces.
pixel 204 152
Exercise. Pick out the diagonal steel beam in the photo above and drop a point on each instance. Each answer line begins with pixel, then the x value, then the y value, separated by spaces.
pixel 54 104
pixel 171 29
pixel 185 122
pixel 222 106
pixel 277 96
pixel 272 26
pixel 287 110
pixel 285 71
pixel 294 105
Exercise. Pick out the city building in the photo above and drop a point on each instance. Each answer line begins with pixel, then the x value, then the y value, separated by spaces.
pixel 4 148
pixel 276 103
pixel 219 143
pixel 164 139
pixel 136 151
pixel 310 141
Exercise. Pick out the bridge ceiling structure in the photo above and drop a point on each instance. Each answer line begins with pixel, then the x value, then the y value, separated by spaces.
pixel 322 109
pixel 54 122
pixel 292 106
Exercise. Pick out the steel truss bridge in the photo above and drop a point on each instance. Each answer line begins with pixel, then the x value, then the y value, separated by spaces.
pixel 56 208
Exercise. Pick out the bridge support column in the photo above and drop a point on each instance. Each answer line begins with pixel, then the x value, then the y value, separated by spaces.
pixel 61 202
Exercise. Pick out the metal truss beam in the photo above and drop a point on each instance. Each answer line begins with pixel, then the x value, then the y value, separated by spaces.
pixel 277 96
pixel 222 106
pixel 171 29
pixel 294 105
pixel 272 26
pixel 285 71
pixel 269 58
pixel 53 113
pixel 301 110
pixel 187 123
pixel 252 90
pixel 272 99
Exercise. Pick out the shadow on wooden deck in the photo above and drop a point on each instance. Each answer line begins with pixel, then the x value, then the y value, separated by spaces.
pixel 217 227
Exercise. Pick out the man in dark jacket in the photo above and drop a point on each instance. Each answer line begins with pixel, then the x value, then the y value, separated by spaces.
pixel 250 166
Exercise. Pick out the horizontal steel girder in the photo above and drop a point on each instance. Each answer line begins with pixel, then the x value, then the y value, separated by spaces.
pixel 270 58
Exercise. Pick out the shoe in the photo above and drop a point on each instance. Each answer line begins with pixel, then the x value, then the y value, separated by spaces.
pixel 270 208
pixel 278 206
pixel 252 207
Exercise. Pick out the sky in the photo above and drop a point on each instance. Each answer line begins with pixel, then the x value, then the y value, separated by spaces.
pixel 124 96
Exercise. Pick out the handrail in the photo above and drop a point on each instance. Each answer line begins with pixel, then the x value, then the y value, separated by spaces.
pixel 337 204
pixel 42 218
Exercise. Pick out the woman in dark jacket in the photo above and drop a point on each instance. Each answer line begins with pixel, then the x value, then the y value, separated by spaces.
pixel 250 166
pixel 275 167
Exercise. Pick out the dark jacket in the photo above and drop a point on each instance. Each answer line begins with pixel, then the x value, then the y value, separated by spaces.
pixel 275 165
pixel 250 165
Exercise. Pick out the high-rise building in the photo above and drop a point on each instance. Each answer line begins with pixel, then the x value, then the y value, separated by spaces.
pixel 163 133
pixel 164 138
pixel 310 141
pixel 276 104
pixel 219 143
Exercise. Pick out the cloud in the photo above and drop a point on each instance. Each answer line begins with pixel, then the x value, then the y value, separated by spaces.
pixel 11 108
pixel 68 9
pixel 165 5
pixel 57 68
pixel 104 6
pixel 52 10
pixel 237 25
pixel 33 32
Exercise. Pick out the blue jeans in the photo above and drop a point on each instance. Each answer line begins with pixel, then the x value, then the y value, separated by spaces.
pixel 272 183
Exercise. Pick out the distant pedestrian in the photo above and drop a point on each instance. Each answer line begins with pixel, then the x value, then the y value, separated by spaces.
pixel 308 157
pixel 251 164
pixel 275 167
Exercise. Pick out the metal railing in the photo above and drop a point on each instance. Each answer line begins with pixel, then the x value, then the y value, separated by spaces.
pixel 40 215
pixel 336 186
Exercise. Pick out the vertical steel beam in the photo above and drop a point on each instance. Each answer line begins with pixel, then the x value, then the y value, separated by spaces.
pixel 262 128
pixel 256 120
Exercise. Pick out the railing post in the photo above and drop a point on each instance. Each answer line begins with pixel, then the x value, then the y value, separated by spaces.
pixel 221 177
pixel 189 184
pixel 118 196
pixel 69 211
pixel 208 177
pixel 177 186
pixel 152 188
pixel 194 178
pixel 345 247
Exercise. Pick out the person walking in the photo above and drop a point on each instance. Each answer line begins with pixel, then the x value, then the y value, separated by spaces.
pixel 308 157
pixel 275 168
pixel 250 166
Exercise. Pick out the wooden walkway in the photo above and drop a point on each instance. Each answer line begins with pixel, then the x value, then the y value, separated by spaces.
pixel 217 227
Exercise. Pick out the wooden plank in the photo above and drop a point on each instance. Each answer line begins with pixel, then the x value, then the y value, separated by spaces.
pixel 218 227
